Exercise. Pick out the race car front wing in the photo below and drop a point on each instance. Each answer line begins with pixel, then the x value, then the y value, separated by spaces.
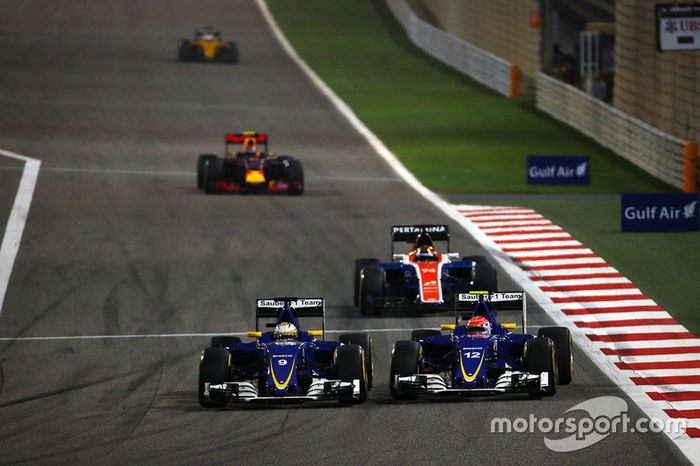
pixel 508 382
pixel 319 390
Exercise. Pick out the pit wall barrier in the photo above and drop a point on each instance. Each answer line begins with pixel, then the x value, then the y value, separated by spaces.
pixel 667 157
pixel 480 65
pixel 664 156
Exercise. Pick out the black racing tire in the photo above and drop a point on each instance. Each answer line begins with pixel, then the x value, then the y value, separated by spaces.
pixel 184 50
pixel 367 344
pixel 563 346
pixel 486 278
pixel 405 360
pixel 350 365
pixel 213 171
pixel 417 335
pixel 359 265
pixel 371 286
pixel 540 356
pixel 201 163
pixel 295 177
pixel 232 53
pixel 213 368
pixel 224 341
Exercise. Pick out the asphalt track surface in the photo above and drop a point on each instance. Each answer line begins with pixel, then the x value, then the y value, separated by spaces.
pixel 119 242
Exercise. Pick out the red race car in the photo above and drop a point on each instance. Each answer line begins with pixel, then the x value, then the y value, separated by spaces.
pixel 248 167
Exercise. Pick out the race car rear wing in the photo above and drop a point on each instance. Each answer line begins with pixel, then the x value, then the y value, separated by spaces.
pixel 239 138
pixel 269 308
pixel 408 234
pixel 500 301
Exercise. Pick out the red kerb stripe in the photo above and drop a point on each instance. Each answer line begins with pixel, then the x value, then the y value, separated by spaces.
pixel 683 413
pixel 641 336
pixel 535 240
pixel 545 248
pixel 596 286
pixel 674 396
pixel 626 323
pixel 579 276
pixel 592 265
pixel 596 299
pixel 669 380
pixel 650 366
pixel 526 232
pixel 556 257
pixel 651 351
pixel 609 310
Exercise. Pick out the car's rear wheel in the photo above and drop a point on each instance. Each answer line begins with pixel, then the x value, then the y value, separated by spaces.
pixel 201 163
pixel 232 53
pixel 405 361
pixel 563 346
pixel 371 289
pixel 213 368
pixel 350 365
pixel 359 265
pixel 184 50
pixel 367 344
pixel 295 177
pixel 540 356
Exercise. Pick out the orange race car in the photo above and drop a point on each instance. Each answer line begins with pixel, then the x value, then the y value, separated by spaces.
pixel 207 46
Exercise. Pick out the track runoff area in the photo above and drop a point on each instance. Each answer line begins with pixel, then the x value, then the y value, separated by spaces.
pixel 646 352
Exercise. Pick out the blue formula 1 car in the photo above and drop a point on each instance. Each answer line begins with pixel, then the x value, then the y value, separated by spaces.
pixel 423 279
pixel 480 356
pixel 286 364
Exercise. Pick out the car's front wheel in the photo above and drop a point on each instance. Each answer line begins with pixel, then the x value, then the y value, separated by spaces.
pixel 213 368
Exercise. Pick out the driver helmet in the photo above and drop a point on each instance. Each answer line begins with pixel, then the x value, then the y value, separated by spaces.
pixel 423 239
pixel 478 327
pixel 249 145
pixel 425 253
pixel 285 331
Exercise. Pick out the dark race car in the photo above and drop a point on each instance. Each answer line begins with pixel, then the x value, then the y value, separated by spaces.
pixel 481 356
pixel 286 364
pixel 423 278
pixel 248 167
pixel 207 46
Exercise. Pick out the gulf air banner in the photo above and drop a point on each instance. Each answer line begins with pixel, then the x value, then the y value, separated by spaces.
pixel 659 212
pixel 558 169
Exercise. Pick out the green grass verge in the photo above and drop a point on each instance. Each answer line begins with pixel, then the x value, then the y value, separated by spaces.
pixel 459 138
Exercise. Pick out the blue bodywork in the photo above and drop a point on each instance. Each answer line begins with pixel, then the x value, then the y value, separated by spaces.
pixel 283 368
pixel 474 365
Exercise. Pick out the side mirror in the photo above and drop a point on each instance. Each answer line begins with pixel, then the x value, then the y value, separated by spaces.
pixel 255 334
pixel 447 326
pixel 509 326
pixel 315 333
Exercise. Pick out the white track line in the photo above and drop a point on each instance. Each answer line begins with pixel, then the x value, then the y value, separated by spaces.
pixel 200 335
pixel 17 218
pixel 181 174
